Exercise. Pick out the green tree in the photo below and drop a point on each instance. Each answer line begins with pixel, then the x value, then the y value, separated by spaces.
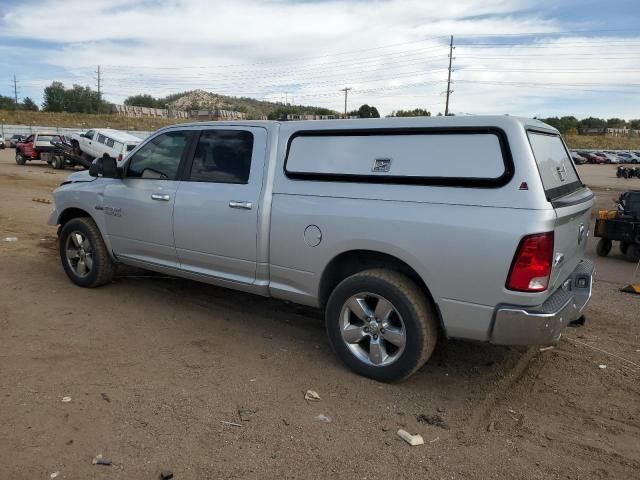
pixel 144 100
pixel 54 98
pixel 28 104
pixel 77 99
pixel 616 123
pixel 592 122
pixel 416 112
pixel 635 124
pixel 366 111
pixel 564 125
pixel 7 103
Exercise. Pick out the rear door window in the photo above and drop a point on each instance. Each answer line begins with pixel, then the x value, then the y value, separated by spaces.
pixel 558 174
pixel 222 156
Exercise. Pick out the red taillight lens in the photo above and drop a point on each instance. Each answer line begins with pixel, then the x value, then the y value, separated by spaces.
pixel 531 266
pixel 120 157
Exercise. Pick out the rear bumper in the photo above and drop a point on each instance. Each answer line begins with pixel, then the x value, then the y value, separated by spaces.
pixel 542 325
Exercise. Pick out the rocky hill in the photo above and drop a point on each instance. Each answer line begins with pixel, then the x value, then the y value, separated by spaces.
pixel 255 109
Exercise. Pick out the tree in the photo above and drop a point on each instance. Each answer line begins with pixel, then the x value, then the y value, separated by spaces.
pixel 144 100
pixel 635 124
pixel 416 112
pixel 77 99
pixel 54 98
pixel 28 104
pixel 592 122
pixel 7 103
pixel 366 111
pixel 564 124
pixel 616 123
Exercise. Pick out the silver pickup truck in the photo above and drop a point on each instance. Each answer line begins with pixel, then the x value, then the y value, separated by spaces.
pixel 402 230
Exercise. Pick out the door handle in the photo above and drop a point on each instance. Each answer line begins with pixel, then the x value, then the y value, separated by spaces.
pixel 163 197
pixel 241 205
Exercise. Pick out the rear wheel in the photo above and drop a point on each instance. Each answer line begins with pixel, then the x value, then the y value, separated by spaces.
pixel 633 253
pixel 58 162
pixel 604 247
pixel 381 324
pixel 84 255
pixel 20 159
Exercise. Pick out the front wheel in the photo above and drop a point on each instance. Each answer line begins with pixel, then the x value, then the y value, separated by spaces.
pixel 20 159
pixel 84 255
pixel 381 324
pixel 604 247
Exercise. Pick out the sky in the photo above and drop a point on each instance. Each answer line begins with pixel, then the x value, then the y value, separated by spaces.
pixel 520 57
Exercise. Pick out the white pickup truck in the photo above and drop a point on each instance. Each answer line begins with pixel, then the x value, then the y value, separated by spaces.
pixel 95 143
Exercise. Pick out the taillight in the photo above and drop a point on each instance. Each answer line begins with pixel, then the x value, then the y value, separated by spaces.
pixel 119 157
pixel 531 267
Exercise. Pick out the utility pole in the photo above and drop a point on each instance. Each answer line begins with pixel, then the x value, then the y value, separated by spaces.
pixel 449 91
pixel 99 91
pixel 346 93
pixel 15 89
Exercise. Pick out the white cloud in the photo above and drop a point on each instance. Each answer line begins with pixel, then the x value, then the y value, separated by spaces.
pixel 264 48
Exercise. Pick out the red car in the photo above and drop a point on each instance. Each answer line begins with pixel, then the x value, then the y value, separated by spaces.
pixel 34 145
pixel 592 157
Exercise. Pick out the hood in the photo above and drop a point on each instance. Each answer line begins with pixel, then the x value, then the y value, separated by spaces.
pixel 82 176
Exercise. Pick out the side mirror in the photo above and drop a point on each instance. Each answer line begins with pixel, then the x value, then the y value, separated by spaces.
pixel 105 167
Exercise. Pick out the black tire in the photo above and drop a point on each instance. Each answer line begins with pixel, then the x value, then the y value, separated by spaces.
pixel 411 305
pixel 633 253
pixel 624 246
pixel 604 247
pixel 102 266
pixel 20 159
pixel 58 162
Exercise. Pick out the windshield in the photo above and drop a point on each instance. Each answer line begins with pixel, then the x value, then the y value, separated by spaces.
pixel 48 138
pixel 558 174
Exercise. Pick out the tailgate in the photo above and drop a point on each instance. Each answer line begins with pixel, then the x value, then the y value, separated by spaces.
pixel 571 200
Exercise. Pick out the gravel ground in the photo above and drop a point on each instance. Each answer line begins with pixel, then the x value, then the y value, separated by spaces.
pixel 154 365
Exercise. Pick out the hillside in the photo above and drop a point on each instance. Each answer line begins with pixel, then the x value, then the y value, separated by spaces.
pixel 255 109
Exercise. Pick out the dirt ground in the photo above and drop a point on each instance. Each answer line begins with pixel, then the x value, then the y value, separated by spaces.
pixel 154 365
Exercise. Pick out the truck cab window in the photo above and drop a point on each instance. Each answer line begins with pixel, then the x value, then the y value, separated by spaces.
pixel 223 156
pixel 160 158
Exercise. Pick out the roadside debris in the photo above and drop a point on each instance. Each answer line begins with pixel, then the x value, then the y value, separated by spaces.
pixel 41 200
pixel 435 420
pixel 412 440
pixel 66 399
pixel 231 424
pixel 166 475
pixel 493 426
pixel 105 397
pixel 544 349
pixel 11 239
pixel 245 415
pixel 312 396
pixel 434 440
pixel 54 474
pixel 69 442
pixel 322 418
pixel 100 460
pixel 602 367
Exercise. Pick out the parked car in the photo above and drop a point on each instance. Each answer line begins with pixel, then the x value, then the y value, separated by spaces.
pixel 592 157
pixel 629 157
pixel 578 159
pixel 2 144
pixel 608 157
pixel 14 139
pixel 95 143
pixel 402 230
pixel 34 146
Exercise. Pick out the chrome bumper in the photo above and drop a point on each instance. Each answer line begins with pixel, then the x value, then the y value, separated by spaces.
pixel 542 325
